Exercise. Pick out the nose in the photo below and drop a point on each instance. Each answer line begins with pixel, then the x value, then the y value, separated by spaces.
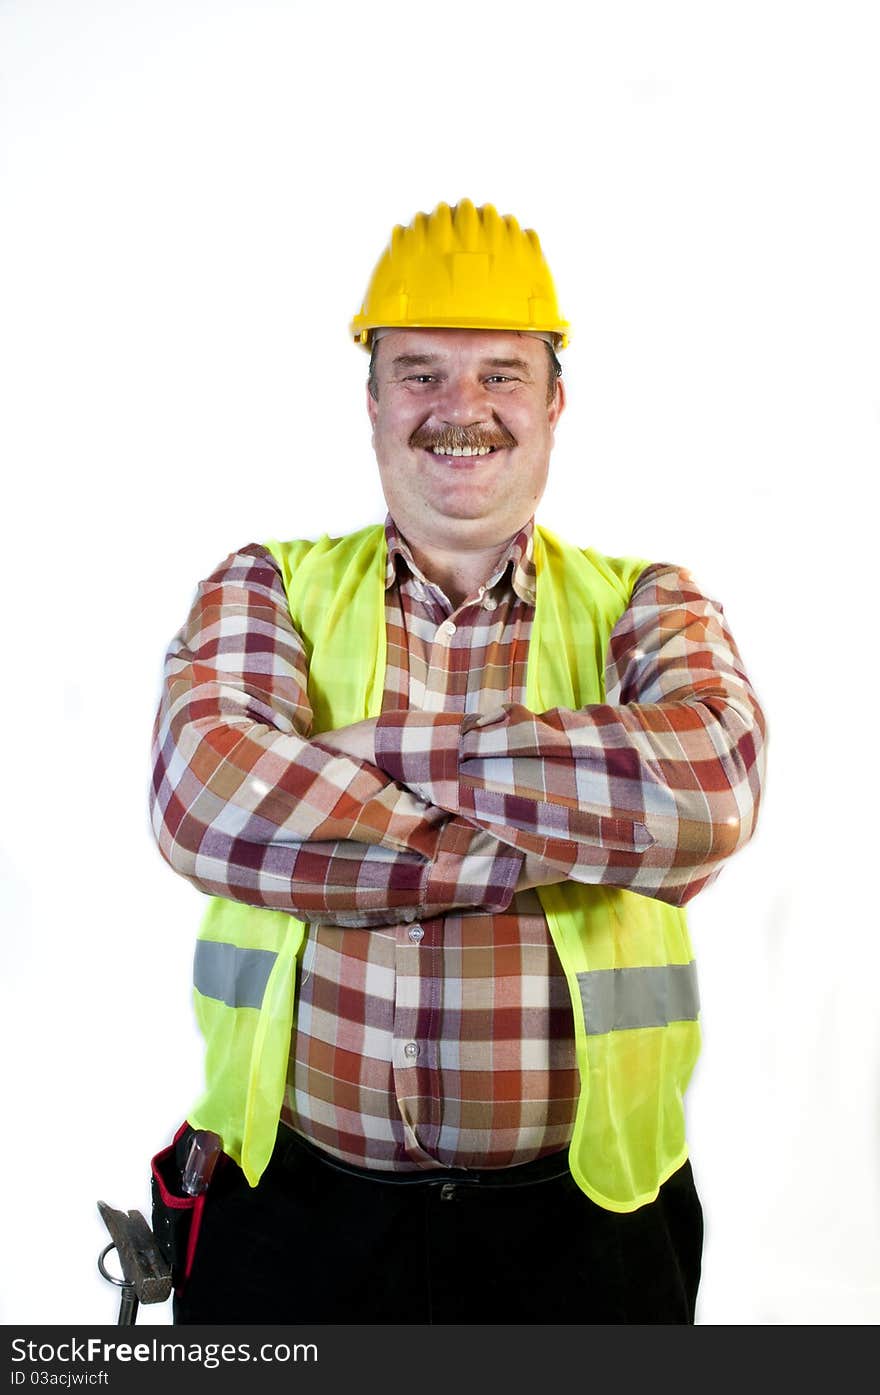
pixel 463 401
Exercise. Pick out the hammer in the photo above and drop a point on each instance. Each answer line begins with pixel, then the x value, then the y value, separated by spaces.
pixel 146 1274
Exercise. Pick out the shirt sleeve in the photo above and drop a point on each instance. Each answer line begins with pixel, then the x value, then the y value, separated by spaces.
pixel 244 806
pixel 651 790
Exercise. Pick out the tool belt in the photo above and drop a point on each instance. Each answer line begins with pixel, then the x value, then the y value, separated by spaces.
pixel 176 1216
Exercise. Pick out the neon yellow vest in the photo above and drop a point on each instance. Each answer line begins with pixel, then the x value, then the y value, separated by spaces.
pixel 627 958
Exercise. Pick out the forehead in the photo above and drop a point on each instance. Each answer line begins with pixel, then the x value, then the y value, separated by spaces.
pixel 468 346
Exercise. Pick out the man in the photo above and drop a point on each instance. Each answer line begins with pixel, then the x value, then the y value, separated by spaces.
pixel 449 783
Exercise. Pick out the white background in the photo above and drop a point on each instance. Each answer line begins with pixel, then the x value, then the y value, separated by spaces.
pixel 193 196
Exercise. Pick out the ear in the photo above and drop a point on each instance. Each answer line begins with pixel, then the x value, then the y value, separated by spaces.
pixel 557 406
pixel 372 406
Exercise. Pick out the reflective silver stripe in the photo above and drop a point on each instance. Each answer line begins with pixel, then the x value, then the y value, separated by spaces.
pixel 617 999
pixel 234 976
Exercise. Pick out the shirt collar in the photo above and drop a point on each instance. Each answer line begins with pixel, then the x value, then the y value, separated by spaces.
pixel 518 558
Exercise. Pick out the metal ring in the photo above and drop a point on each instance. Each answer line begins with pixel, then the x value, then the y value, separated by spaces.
pixel 120 1283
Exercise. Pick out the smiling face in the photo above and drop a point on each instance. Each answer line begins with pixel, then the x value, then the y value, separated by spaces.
pixel 462 430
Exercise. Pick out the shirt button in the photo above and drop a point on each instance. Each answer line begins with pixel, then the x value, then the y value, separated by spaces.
pixel 489 603
pixel 411 1050
pixel 416 934
pixel 447 628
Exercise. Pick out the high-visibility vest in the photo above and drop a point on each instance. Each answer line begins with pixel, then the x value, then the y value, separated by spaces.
pixel 627 958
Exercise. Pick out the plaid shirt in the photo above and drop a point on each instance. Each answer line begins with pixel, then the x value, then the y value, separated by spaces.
pixel 434 1024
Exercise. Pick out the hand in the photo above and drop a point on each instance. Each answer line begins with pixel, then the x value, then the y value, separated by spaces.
pixel 357 741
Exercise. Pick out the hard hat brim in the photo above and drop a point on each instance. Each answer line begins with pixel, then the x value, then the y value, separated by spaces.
pixel 363 332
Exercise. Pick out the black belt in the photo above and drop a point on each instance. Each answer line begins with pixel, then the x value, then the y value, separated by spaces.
pixel 291 1146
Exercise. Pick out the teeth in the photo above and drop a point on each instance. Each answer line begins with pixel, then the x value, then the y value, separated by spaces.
pixel 459 450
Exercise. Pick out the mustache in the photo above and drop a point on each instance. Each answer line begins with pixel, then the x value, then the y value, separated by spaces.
pixel 450 438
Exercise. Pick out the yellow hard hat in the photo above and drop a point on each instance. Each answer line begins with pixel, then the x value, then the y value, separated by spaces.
pixel 461 268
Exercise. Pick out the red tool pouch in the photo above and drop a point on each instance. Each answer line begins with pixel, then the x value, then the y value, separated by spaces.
pixel 176 1216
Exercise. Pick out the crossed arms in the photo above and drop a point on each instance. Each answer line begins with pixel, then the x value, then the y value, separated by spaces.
pixel 414 814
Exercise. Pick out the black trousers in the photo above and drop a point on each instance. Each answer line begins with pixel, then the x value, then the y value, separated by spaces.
pixel 316 1243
